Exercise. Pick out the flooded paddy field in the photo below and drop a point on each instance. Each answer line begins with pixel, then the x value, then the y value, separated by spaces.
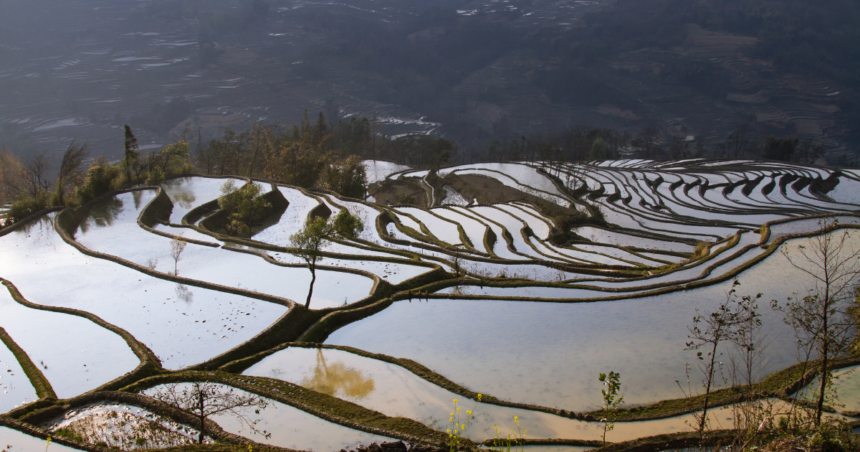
pixel 424 306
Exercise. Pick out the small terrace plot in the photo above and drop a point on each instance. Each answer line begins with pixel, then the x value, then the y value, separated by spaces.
pixel 75 354
pixel 183 325
pixel 116 232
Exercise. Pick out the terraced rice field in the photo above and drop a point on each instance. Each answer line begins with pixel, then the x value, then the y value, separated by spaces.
pixel 522 282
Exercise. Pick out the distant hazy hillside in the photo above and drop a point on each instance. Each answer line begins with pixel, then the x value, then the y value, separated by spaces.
pixel 470 70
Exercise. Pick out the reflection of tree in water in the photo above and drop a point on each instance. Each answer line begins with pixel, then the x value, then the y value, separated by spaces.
pixel 137 196
pixel 337 377
pixel 43 224
pixel 184 294
pixel 102 214
pixel 181 198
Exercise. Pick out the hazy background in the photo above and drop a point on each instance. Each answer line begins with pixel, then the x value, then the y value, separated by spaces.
pixel 471 71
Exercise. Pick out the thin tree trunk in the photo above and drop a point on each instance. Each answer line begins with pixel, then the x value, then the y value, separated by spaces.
pixel 824 352
pixel 708 387
pixel 202 419
pixel 820 407
pixel 311 291
pixel 256 149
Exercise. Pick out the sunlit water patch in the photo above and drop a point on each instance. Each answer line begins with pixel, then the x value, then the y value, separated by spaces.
pixel 292 220
pixel 394 391
pixel 551 354
pixel 190 192
pixel 112 229
pixel 182 325
pixel 75 354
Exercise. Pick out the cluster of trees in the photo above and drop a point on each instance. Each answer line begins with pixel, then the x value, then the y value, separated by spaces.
pixel 308 155
pixel 318 154
pixel 244 207
pixel 324 155
pixel 42 180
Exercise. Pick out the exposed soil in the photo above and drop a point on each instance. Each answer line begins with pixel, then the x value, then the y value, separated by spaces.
pixel 490 191
pixel 401 192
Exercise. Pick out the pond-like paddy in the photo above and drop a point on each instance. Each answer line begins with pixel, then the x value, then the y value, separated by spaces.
pixel 551 354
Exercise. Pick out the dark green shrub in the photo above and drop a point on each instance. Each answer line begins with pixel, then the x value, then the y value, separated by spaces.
pixel 102 177
pixel 23 208
pixel 244 208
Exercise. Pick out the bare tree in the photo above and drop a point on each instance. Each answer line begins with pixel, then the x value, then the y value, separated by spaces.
pixel 203 400
pixel 709 331
pixel 35 176
pixel 821 318
pixel 177 246
pixel 11 176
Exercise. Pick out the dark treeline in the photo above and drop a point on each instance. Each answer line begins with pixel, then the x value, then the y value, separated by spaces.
pixel 580 143
pixel 317 154
pixel 311 154
pixel 324 155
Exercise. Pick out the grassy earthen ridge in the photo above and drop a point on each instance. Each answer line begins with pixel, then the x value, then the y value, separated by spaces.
pixel 65 221
pixel 338 318
pixel 424 236
pixel 212 448
pixel 490 238
pixel 410 258
pixel 149 363
pixel 780 384
pixel 542 442
pixel 320 405
pixel 194 215
pixel 37 378
pixel 630 292
pixel 408 364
